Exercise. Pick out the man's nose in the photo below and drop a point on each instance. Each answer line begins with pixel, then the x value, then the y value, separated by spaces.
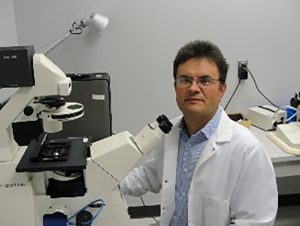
pixel 194 85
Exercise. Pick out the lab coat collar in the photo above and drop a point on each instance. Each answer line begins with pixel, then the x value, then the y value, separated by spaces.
pixel 223 134
pixel 224 130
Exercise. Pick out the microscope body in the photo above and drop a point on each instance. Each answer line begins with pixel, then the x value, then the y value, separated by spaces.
pixel 74 187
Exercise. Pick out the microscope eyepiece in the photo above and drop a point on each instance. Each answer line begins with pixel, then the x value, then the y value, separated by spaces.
pixel 164 123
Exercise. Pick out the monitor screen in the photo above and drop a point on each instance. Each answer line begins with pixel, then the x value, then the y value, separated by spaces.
pixel 16 66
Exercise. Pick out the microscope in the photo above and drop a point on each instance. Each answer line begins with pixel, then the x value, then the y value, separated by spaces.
pixel 62 181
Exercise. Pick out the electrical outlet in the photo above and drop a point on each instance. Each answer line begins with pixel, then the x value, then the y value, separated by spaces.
pixel 242 71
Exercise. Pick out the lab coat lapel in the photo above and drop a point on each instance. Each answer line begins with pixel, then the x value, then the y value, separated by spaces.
pixel 169 177
pixel 171 154
pixel 222 134
pixel 208 152
pixel 171 148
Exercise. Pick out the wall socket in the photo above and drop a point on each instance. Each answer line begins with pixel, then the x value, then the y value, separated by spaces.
pixel 242 71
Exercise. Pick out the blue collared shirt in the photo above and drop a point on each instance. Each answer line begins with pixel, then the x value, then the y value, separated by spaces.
pixel 189 150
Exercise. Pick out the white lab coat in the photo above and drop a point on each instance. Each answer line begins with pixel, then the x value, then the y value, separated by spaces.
pixel 233 183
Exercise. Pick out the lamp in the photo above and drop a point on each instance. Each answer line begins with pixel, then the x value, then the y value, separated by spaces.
pixel 95 22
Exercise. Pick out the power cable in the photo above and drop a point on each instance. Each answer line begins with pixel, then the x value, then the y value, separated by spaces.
pixel 233 94
pixel 255 83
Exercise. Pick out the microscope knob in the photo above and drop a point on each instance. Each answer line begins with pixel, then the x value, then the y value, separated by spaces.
pixel 28 110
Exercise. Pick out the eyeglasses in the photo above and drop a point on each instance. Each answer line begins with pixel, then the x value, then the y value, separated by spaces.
pixel 185 81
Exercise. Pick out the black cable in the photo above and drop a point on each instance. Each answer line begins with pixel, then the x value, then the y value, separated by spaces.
pixel 233 94
pixel 259 89
pixel 145 206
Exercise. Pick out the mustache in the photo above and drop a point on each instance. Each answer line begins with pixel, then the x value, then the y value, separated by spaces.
pixel 194 96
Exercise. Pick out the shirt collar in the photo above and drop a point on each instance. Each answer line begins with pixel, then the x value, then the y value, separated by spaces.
pixel 207 130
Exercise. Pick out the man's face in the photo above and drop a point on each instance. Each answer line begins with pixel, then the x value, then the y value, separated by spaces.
pixel 198 100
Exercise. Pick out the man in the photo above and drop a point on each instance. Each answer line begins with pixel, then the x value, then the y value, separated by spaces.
pixel 211 170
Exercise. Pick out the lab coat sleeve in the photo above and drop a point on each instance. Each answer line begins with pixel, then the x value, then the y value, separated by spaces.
pixel 255 199
pixel 142 179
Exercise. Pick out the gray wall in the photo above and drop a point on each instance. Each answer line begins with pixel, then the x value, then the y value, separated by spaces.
pixel 138 47
pixel 8 35
pixel 8 24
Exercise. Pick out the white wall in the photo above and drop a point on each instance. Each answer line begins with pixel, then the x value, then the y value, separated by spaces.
pixel 8 35
pixel 138 47
pixel 8 24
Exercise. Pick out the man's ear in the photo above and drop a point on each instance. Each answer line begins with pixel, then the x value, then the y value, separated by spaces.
pixel 223 88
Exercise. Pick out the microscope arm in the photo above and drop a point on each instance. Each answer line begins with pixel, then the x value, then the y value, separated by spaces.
pixel 49 80
pixel 119 153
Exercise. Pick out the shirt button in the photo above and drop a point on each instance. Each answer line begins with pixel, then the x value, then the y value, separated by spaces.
pixel 166 181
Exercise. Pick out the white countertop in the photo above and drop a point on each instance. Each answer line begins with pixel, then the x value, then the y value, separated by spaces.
pixel 284 164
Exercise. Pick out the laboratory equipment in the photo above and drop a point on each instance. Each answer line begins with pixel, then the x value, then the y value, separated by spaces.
pixel 15 66
pixel 295 102
pixel 291 114
pixel 266 117
pixel 93 91
pixel 64 181
pixel 287 137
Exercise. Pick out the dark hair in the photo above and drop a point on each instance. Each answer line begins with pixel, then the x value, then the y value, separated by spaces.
pixel 202 49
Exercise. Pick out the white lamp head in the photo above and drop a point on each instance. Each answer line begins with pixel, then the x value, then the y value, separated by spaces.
pixel 96 22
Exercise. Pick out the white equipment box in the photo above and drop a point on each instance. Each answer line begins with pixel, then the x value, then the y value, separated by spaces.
pixel 266 117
